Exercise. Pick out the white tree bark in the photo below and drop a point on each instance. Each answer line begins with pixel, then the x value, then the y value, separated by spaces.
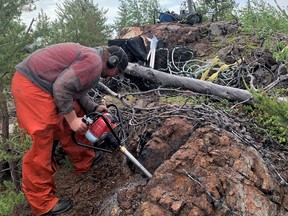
pixel 204 87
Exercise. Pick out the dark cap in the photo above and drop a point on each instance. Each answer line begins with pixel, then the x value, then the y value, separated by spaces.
pixel 122 56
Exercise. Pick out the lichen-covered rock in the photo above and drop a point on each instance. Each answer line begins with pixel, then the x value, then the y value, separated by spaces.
pixel 164 143
pixel 213 173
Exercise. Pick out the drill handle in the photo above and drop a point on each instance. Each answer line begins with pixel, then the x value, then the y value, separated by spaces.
pixel 87 120
pixel 90 118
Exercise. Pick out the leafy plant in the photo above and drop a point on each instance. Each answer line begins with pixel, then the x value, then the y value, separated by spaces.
pixel 263 20
pixel 9 198
pixel 282 56
pixel 272 115
pixel 17 144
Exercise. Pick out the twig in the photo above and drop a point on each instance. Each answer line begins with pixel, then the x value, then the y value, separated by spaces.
pixel 274 83
pixel 282 182
pixel 207 192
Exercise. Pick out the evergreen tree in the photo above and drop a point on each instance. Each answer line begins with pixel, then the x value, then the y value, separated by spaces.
pixel 43 33
pixel 216 10
pixel 132 12
pixel 13 38
pixel 13 35
pixel 122 20
pixel 81 21
pixel 263 19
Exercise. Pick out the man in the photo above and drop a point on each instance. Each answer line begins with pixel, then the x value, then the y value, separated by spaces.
pixel 49 89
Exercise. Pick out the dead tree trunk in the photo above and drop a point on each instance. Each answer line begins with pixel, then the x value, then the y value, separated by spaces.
pixel 165 79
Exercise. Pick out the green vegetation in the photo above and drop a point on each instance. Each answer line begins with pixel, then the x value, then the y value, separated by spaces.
pixel 263 20
pixel 84 22
pixel 216 10
pixel 135 12
pixel 79 21
pixel 282 55
pixel 9 198
pixel 272 115
pixel 18 143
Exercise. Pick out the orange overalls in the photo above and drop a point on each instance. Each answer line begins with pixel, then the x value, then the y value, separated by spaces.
pixel 37 115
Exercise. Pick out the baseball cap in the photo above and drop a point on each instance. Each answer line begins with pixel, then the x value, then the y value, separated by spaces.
pixel 122 56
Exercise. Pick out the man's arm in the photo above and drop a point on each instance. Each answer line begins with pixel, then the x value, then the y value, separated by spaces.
pixel 75 123
pixel 87 104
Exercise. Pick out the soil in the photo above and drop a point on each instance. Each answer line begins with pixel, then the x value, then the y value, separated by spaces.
pixel 206 171
pixel 209 164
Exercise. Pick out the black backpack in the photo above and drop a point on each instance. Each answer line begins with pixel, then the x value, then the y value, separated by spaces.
pixel 192 18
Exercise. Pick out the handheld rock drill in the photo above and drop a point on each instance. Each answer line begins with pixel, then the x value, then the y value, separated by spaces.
pixel 102 134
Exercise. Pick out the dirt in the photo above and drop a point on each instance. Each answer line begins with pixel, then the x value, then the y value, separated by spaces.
pixel 206 171
pixel 209 164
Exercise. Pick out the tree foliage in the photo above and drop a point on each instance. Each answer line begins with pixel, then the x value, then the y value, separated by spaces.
pixel 267 21
pixel 43 32
pixel 216 10
pixel 13 38
pixel 263 19
pixel 13 35
pixel 9 198
pixel 79 21
pixel 135 12
pixel 83 22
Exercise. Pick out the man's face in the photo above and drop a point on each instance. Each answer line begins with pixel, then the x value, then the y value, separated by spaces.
pixel 110 72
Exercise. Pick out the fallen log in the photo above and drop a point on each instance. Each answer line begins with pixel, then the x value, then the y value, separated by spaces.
pixel 200 86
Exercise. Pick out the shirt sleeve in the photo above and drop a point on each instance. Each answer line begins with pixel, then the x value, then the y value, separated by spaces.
pixel 75 81
pixel 87 104
pixel 64 91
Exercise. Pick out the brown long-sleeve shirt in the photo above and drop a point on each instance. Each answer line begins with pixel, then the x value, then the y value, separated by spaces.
pixel 67 71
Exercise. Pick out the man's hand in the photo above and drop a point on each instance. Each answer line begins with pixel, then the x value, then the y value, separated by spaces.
pixel 102 108
pixel 76 124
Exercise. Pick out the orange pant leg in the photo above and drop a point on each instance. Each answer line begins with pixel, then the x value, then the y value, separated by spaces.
pixel 37 115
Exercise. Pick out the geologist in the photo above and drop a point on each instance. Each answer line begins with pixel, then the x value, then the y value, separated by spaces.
pixel 49 89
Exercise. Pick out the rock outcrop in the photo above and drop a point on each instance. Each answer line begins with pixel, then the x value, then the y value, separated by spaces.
pixel 212 173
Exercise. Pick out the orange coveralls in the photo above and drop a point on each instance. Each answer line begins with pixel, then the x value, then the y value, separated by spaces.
pixel 42 122
pixel 39 116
